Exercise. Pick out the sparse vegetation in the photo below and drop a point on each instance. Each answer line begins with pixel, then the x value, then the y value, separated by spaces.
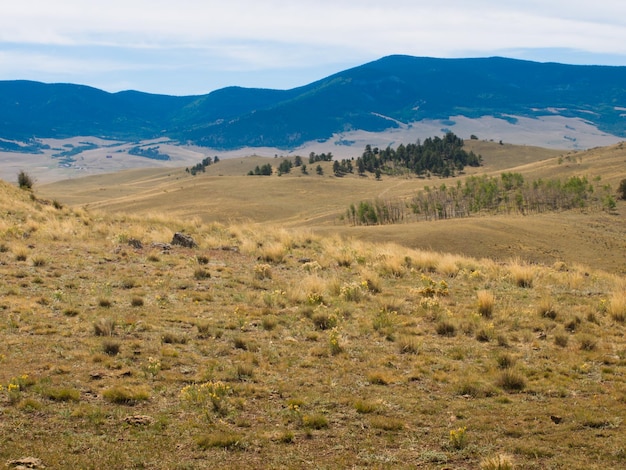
pixel 24 180
pixel 301 343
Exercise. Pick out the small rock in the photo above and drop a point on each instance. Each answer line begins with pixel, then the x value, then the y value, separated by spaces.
pixel 135 243
pixel 183 240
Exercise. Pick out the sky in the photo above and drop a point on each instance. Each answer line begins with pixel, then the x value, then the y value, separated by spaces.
pixel 190 47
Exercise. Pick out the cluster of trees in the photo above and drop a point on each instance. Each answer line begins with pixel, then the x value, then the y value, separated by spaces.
pixel 438 156
pixel 321 157
pixel 263 170
pixel 201 167
pixel 509 193
pixel 149 152
pixel 378 212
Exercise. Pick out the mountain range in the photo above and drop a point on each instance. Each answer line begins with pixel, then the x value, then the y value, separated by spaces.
pixel 377 96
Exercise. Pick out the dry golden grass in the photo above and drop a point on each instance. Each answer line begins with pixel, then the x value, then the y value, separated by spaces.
pixel 341 349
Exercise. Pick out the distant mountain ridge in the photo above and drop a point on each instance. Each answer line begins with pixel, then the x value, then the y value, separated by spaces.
pixel 374 97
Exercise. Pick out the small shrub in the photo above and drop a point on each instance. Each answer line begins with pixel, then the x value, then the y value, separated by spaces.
pixel 21 255
pixel 126 395
pixel 470 389
pixel 24 180
pixel 497 462
pixel 105 303
pixel 62 394
pixel 244 371
pixel 386 423
pixel 523 274
pixel 458 438
pixel 222 440
pixel 272 253
pixel 201 274
pixel 324 320
pixel 39 261
pixel 314 421
pixel 287 437
pixel 104 327
pixel 486 301
pixel 70 312
pixel 384 321
pixel 378 378
pixel 446 328
pixel 588 343
pixel 128 283
pixel 241 343
pixel 204 330
pixel 408 345
pixel 573 324
pixel 561 340
pixel 546 309
pixel 505 361
pixel 262 271
pixel 111 347
pixel 511 380
pixel 173 338
pixel 202 259
pixel 136 302
pixel 617 307
pixel 365 406
pixel 269 322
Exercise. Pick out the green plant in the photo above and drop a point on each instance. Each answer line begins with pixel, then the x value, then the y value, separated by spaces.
pixel 445 328
pixel 334 342
pixel 458 438
pixel 24 180
pixel 262 271
pixel 486 301
pixel 408 345
pixel 221 439
pixel 324 320
pixel 61 394
pixel 511 380
pixel 546 309
pixel 202 259
pixel 111 347
pixel 200 273
pixel 386 423
pixel 314 421
pixel 497 462
pixel 104 327
pixel 126 394
pixel 365 406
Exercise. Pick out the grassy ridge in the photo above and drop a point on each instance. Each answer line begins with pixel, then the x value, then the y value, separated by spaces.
pixel 317 203
pixel 273 348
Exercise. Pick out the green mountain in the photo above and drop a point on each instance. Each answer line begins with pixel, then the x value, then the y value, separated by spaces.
pixel 373 97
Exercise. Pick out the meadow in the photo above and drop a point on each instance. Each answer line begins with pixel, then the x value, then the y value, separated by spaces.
pixel 289 339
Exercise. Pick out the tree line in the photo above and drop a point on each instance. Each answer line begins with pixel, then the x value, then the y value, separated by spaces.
pixel 509 193
pixel 435 156
pixel 201 167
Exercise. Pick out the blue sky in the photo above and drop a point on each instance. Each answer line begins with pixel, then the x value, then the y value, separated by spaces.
pixel 193 46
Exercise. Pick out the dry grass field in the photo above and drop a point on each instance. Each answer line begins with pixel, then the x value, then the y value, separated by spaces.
pixel 224 194
pixel 289 339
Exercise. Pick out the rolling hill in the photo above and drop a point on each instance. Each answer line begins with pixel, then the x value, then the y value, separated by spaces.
pixel 392 92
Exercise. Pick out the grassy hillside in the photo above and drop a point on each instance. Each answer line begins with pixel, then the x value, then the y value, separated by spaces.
pixel 265 347
pixel 224 195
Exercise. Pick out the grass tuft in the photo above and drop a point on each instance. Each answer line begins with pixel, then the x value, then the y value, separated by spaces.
pixel 126 394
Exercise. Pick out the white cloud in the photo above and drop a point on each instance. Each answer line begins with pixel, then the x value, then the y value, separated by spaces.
pixel 239 35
